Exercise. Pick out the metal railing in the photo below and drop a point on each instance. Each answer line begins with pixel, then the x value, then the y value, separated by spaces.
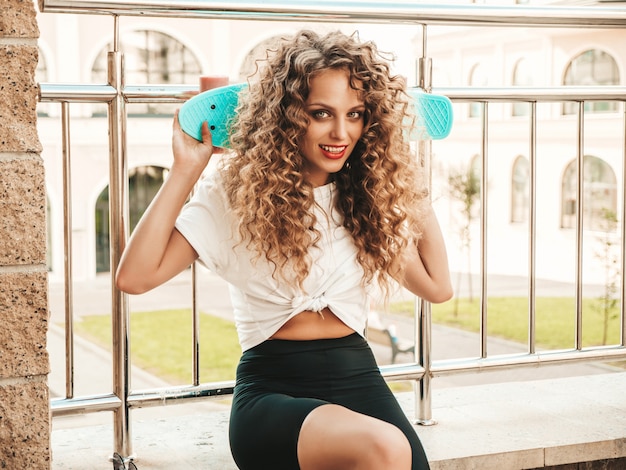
pixel 116 96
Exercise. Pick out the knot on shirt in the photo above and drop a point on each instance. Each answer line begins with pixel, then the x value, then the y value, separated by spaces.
pixel 305 302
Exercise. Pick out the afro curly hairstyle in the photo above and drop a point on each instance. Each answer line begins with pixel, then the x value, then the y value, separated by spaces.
pixel 380 187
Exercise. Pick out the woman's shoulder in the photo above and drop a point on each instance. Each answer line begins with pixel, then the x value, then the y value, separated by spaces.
pixel 213 177
pixel 210 189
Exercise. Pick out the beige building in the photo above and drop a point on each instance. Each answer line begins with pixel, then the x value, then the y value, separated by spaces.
pixel 176 51
pixel 535 57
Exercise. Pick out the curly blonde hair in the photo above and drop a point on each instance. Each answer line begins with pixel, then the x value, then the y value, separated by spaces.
pixel 379 186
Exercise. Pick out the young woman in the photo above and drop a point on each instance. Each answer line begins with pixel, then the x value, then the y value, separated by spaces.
pixel 320 199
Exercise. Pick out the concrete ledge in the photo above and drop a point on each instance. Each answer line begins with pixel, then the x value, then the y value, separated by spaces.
pixel 508 426
pixel 522 425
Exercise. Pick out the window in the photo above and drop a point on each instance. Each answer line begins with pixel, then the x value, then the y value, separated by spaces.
pixel 477 78
pixel 143 184
pixel 520 190
pixel 592 67
pixel 150 57
pixel 599 193
pixel 103 263
pixel 522 76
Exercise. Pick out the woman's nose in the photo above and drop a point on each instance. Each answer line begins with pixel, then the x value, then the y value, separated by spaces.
pixel 339 130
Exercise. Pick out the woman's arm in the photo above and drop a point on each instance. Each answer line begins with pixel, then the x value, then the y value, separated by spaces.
pixel 156 251
pixel 426 272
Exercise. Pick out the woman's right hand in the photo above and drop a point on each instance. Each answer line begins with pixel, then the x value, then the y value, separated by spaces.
pixel 190 154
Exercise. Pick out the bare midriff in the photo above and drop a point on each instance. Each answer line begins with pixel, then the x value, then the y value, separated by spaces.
pixel 310 325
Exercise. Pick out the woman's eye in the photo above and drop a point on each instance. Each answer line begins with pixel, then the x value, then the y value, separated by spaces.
pixel 320 114
pixel 355 114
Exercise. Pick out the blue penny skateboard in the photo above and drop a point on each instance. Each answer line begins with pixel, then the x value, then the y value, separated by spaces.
pixel 217 106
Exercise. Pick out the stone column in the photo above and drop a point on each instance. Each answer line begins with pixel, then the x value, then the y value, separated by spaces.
pixel 24 365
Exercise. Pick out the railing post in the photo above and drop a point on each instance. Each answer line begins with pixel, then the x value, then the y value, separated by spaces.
pixel 68 259
pixel 580 211
pixel 118 217
pixel 484 179
pixel 423 387
pixel 423 326
pixel 532 229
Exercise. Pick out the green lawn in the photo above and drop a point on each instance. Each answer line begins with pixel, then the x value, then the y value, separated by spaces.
pixel 507 317
pixel 161 340
pixel 161 343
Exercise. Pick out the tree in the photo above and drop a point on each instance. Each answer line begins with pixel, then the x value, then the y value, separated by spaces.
pixel 608 254
pixel 464 186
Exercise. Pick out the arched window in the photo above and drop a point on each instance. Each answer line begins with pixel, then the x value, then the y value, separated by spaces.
pixel 592 67
pixel 522 76
pixel 143 184
pixel 103 263
pixel 478 78
pixel 520 190
pixel 150 57
pixel 599 192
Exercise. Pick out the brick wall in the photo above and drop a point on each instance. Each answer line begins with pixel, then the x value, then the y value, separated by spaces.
pixel 24 399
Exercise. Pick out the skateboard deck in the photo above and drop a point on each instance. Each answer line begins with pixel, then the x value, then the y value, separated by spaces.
pixel 218 105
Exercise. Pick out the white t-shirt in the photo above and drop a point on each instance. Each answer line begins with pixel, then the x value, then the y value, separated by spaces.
pixel 261 303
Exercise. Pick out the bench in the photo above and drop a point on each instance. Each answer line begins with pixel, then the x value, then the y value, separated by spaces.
pixel 397 346
pixel 386 335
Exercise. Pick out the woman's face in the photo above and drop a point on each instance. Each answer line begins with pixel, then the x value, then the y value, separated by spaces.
pixel 335 113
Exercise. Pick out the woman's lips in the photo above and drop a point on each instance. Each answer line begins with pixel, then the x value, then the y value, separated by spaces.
pixel 334 152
